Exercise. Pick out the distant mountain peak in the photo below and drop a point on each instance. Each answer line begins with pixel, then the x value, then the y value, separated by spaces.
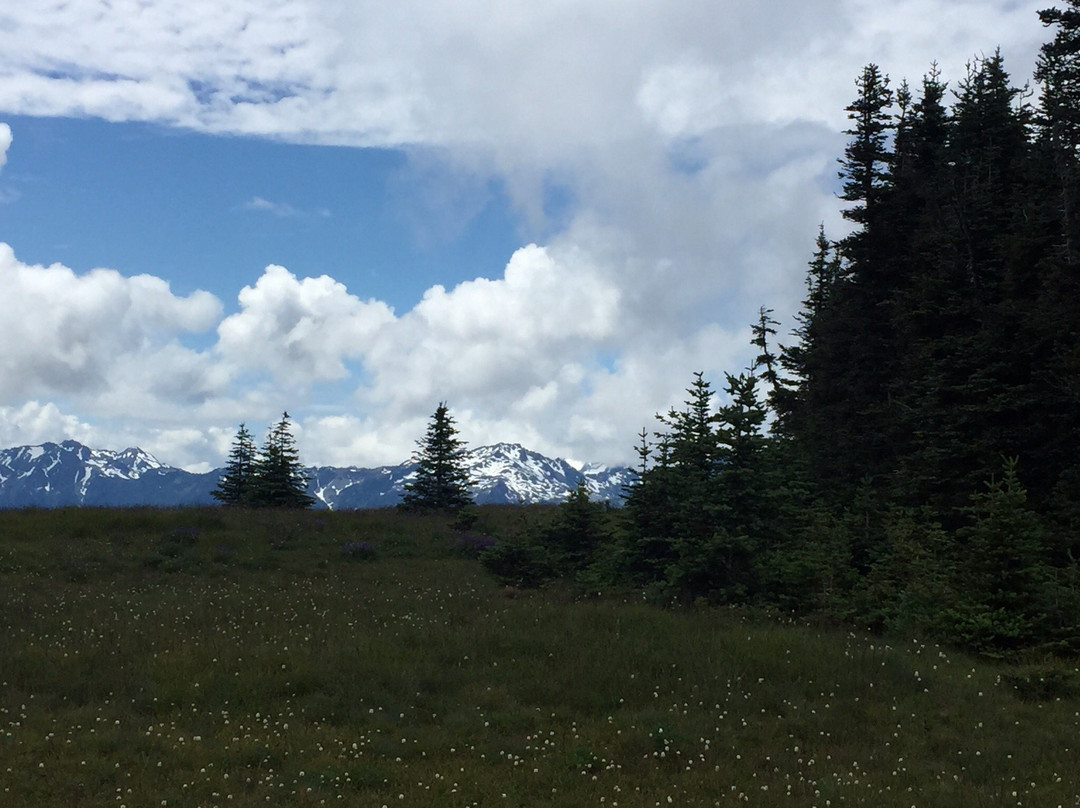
pixel 69 473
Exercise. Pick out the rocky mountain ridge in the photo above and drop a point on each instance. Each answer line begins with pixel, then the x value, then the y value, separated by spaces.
pixel 69 473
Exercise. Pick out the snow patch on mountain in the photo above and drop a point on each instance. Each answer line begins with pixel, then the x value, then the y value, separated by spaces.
pixel 53 475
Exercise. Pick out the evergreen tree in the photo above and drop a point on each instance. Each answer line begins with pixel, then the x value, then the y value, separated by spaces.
pixel 672 506
pixel 279 480
pixel 1004 582
pixel 988 155
pixel 691 462
pixel 442 481
pixel 742 443
pixel 1058 71
pixel 578 531
pixel 919 193
pixel 855 346
pixel 942 334
pixel 698 515
pixel 801 393
pixel 763 330
pixel 866 167
pixel 967 396
pixel 234 487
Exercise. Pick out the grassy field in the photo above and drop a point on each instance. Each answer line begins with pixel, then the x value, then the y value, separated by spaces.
pixel 214 658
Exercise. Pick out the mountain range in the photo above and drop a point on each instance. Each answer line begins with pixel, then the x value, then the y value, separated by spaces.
pixel 69 473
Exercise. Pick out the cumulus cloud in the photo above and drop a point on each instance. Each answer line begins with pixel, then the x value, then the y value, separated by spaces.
pixel 35 422
pixel 302 331
pixel 66 333
pixel 551 355
pixel 489 338
pixel 543 355
pixel 353 440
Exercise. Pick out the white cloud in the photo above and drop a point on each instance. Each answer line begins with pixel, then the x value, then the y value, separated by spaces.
pixel 487 339
pixel 556 77
pixel 68 334
pixel 282 210
pixel 302 331
pixel 349 440
pixel 682 100
pixel 34 422
pixel 5 142
pixel 542 355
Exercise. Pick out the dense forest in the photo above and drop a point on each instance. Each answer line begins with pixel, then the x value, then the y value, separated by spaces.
pixel 907 455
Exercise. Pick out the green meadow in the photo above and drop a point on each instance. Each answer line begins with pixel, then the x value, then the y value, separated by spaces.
pixel 239 658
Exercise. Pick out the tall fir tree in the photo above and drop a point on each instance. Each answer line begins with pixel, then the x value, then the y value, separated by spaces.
pixel 279 479
pixel 1058 72
pixel 764 330
pixel 442 481
pixel 866 167
pixel 915 203
pixel 234 487
pixel 673 506
pixel 802 394
pixel 855 351
pixel 980 403
pixel 699 515
pixel 747 488
pixel 989 146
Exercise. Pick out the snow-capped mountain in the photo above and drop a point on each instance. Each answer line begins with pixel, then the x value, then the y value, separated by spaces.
pixel 508 472
pixel 68 473
pixel 503 473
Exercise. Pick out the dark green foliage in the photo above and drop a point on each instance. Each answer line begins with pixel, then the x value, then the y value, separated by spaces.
pixel 1006 592
pixel 1058 71
pixel 940 335
pixel 523 564
pixel 272 477
pixel 865 167
pixel 764 330
pixel 803 396
pixel 441 482
pixel 672 504
pixel 569 546
pixel 234 488
pixel 278 479
pixel 906 570
pixel 699 516
pixel 578 532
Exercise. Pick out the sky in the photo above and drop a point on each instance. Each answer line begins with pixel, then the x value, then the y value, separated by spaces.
pixel 548 215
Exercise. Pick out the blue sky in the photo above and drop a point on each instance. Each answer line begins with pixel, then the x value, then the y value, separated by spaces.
pixel 548 215
pixel 210 212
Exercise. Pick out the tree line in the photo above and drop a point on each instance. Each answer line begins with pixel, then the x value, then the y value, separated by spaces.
pixel 908 458
pixel 273 476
